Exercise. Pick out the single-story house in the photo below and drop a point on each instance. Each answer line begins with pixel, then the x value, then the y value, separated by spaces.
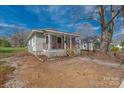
pixel 52 43
pixel 90 43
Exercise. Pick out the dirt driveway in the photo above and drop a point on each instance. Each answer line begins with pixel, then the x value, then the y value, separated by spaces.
pixel 63 72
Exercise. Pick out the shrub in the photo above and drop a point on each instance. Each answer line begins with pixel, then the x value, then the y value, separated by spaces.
pixel 114 49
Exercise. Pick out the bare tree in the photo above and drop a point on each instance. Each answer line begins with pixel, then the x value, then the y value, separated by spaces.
pixel 86 30
pixel 19 38
pixel 106 35
pixel 108 27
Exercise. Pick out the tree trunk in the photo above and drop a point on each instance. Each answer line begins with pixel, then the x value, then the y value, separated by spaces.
pixel 106 37
pixel 111 30
pixel 105 42
pixel 104 31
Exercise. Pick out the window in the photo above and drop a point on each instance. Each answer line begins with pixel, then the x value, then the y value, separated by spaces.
pixel 68 41
pixel 45 43
pixel 57 42
pixel 73 42
pixel 46 39
pixel 54 45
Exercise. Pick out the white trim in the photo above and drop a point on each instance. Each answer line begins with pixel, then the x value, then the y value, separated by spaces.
pixel 49 42
pixel 33 31
pixel 32 40
pixel 64 42
pixel 64 33
pixel 70 42
pixel 52 31
pixel 29 42
pixel 35 41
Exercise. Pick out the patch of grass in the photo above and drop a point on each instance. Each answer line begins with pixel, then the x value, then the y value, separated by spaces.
pixel 6 69
pixel 9 51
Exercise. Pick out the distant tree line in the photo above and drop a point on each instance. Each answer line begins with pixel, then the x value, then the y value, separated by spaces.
pixel 18 39
pixel 4 42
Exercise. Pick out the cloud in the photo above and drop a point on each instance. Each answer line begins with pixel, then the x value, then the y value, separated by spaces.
pixel 34 9
pixel 13 12
pixel 13 26
pixel 9 29
pixel 54 8
pixel 70 25
pixel 7 25
pixel 89 8
pixel 37 9
pixel 56 16
pixel 61 14
pixel 86 29
pixel 96 28
pixel 58 13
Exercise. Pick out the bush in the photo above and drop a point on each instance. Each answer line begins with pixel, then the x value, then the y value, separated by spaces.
pixel 114 49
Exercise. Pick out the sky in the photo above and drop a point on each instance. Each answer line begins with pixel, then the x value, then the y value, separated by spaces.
pixel 61 18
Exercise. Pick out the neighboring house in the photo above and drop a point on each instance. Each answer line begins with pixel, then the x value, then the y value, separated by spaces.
pixel 119 46
pixel 52 43
pixel 90 43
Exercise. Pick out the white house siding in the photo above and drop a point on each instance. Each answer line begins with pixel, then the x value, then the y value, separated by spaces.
pixel 91 46
pixel 32 44
pixel 29 46
pixel 83 46
pixel 39 43
pixel 87 46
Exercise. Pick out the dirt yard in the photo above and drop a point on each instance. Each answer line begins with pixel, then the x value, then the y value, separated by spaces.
pixel 61 73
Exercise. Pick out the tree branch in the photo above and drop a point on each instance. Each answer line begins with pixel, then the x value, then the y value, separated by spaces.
pixel 91 18
pixel 119 11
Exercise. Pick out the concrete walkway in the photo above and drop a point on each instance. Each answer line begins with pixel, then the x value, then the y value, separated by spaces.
pixel 122 84
pixel 102 62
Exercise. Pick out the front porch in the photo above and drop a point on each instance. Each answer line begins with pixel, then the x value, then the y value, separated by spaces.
pixel 57 44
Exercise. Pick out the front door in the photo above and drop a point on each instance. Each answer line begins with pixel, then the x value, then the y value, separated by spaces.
pixel 59 42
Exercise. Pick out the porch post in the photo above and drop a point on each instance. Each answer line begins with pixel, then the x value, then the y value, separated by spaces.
pixel 44 42
pixel 49 41
pixel 79 43
pixel 70 42
pixel 65 42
